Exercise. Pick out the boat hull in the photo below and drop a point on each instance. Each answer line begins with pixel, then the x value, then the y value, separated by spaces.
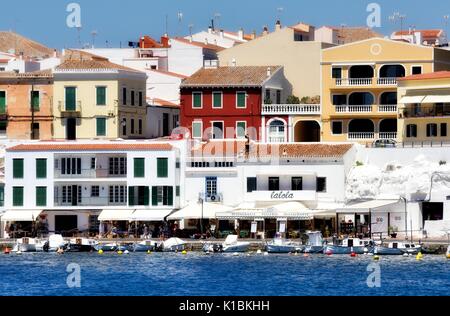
pixel 283 248
pixel 340 250
pixel 142 248
pixel 242 247
pixel 387 251
pixel 313 249
pixel 25 248
pixel 80 248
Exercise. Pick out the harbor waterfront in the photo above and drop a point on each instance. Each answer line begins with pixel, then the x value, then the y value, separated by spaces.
pixel 216 274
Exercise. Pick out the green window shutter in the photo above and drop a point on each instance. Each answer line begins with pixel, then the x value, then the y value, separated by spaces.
pixel 139 167
pixel 101 126
pixel 41 168
pixel 169 195
pixel 131 196
pixel 18 168
pixel 217 99
pixel 70 99
pixel 197 100
pixel 177 190
pixel 41 196
pixel 17 196
pixel 240 129
pixel 2 196
pixel 240 99
pixel 146 196
pixel 35 100
pixel 197 129
pixel 154 196
pixel 162 167
pixel 2 102
pixel 101 95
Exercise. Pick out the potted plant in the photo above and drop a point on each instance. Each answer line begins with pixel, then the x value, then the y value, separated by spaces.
pixel 393 232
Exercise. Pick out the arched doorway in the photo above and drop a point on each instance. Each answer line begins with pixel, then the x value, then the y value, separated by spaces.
pixel 361 129
pixel 392 71
pixel 363 71
pixel 388 129
pixel 276 131
pixel 307 131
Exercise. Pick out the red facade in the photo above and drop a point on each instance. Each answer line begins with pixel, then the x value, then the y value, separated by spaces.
pixel 229 113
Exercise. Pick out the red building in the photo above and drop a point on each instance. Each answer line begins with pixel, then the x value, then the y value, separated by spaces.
pixel 225 102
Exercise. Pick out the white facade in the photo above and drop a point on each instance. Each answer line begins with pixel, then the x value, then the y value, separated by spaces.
pixel 161 120
pixel 219 38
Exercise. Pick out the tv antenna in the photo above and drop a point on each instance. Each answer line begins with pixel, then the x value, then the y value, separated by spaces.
pixel 217 17
pixel 398 17
pixel 446 17
pixel 94 33
pixel 279 11
pixel 79 35
pixel 180 19
pixel 191 26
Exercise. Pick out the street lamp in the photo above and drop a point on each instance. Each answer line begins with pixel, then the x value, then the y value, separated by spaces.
pixel 406 217
pixel 201 200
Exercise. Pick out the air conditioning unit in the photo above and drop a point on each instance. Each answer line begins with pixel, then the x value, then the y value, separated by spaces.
pixel 213 198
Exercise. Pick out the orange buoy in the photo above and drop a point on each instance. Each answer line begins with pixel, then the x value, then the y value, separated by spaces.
pixel 328 252
pixel 353 254
pixel 7 251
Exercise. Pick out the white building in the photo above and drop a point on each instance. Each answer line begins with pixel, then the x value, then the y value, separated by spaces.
pixel 71 186
pixel 220 38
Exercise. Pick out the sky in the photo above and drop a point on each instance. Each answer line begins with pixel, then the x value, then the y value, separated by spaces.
pixel 117 21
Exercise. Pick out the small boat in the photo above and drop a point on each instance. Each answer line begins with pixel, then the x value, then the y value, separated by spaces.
pixel 314 243
pixel 231 244
pixel 27 244
pixel 54 243
pixel 280 245
pixel 111 247
pixel 143 246
pixel 173 244
pixel 80 244
pixel 350 245
pixel 397 248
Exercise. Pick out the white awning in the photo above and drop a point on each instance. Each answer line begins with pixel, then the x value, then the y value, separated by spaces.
pixel 115 215
pixel 412 99
pixel 21 215
pixel 290 207
pixel 150 215
pixel 194 211
pixel 437 99
pixel 286 211
pixel 366 206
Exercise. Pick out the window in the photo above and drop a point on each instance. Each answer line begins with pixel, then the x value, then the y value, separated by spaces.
pixel 18 168
pixel 177 190
pixel 132 126
pixel 296 183
pixel 141 98
pixel 117 166
pixel 241 127
pixel 3 125
pixel 41 196
pixel 339 99
pixel 217 99
pixel 162 167
pixel 124 127
pixel 2 196
pixel 416 70
pixel 139 167
pixel 101 95
pixel 411 130
pixel 70 165
pixel 251 184
pixel 93 162
pixel 95 191
pixel 124 96
pixel 276 131
pixel 70 99
pixel 443 129
pixel 336 127
pixel 117 194
pixel 278 97
pixel 431 130
pixel 140 127
pixel 35 102
pixel 197 129
pixel 101 126
pixel 241 99
pixel 336 73
pixel 175 120
pixel 34 130
pixel 162 195
pixel 217 130
pixel 17 196
pixel 197 100
pixel 321 184
pixel 267 98
pixel 71 194
pixel 41 168
pixel 138 195
pixel 274 183
pixel 211 186
pixel 2 102
pixel 177 164
pixel 132 97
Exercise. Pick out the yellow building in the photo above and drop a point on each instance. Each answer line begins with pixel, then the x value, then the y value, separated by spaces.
pixel 424 108
pixel 94 98
pixel 359 86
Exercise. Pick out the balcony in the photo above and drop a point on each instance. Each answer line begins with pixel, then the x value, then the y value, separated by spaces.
pixel 88 201
pixel 361 135
pixel 98 173
pixel 387 135
pixel 286 195
pixel 431 110
pixel 390 108
pixel 353 108
pixel 365 82
pixel 291 109
pixel 72 110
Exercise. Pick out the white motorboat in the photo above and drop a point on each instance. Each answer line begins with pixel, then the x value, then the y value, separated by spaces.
pixel 81 244
pixel 144 246
pixel 54 243
pixel 27 244
pixel 314 243
pixel 280 245
pixel 173 244
pixel 397 248
pixel 350 245
pixel 231 244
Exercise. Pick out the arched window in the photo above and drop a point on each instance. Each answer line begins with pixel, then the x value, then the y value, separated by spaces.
pixel 276 131
pixel 388 98
pixel 392 71
pixel 361 98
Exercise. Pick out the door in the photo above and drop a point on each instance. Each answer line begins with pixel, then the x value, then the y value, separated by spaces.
pixel 71 129
pixel 65 224
pixel 217 130
pixel 165 124
pixel 75 195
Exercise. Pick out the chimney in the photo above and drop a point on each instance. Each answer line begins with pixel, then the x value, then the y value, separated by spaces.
pixel 269 72
pixel 265 30
pixel 253 34
pixel 233 62
pixel 221 33
pixel 55 53
pixel 190 38
pixel 241 34
pixel 165 40
pixel 206 41
pixel 278 25
pixel 210 29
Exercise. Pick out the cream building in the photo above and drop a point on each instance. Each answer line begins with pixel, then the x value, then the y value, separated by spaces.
pixel 359 90
pixel 94 98
pixel 424 108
